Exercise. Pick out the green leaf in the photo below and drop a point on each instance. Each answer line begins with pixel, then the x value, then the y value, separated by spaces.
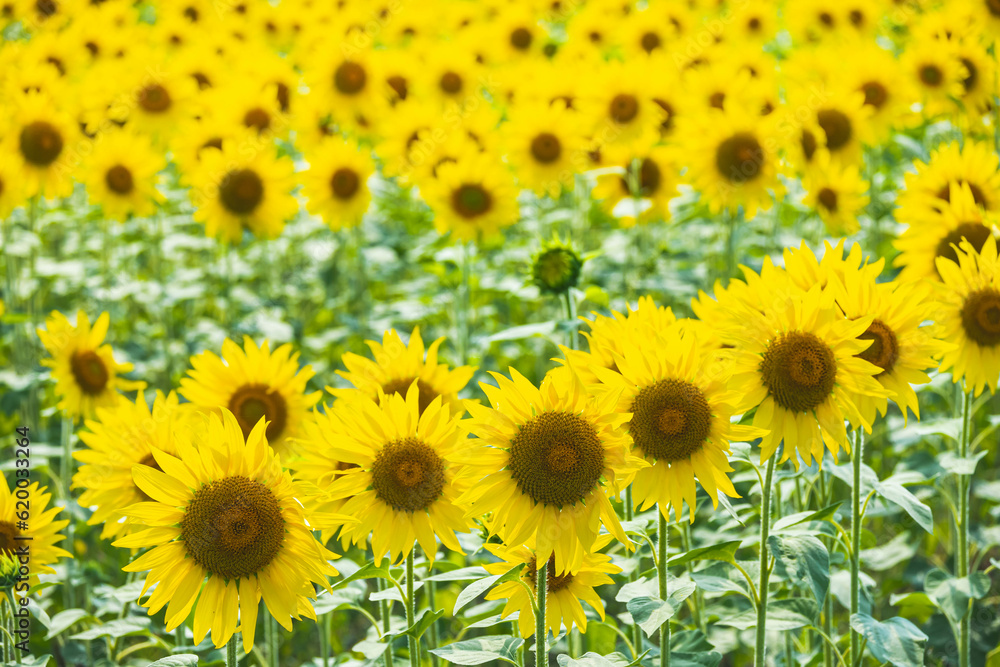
pixel 782 615
pixel 958 465
pixel 897 641
pixel 590 659
pixel 726 551
pixel 461 574
pixel 953 594
pixel 521 332
pixel 61 621
pixel 424 620
pixel 480 650
pixel 716 578
pixel 368 571
pixel 707 659
pixel 802 517
pixel 898 494
pixel 370 648
pixel 916 605
pixel 804 561
pixel 117 628
pixel 894 552
pixel 339 599
pixel 392 593
pixel 34 660
pixel 490 621
pixel 477 588
pixel 179 660
pixel 651 613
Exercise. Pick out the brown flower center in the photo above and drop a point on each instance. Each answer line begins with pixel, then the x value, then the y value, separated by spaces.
pixel 257 118
pixel 251 402
pixel 837 127
pixel 154 98
pixel 553 582
pixel 8 538
pixel 828 198
pixel 451 83
pixel 650 41
pixel 89 371
pixel 981 317
pixel 399 85
pixel 971 75
pixel 546 148
pixel 668 115
pixel 425 393
pixel 471 200
pixel 119 179
pixel 41 143
pixel 350 78
pixel 671 420
pixel 884 350
pixel 799 370
pixel 974 232
pixel 521 38
pixel 408 475
pixel 931 75
pixel 994 7
pixel 977 192
pixel 623 108
pixel 809 145
pixel 344 183
pixel 739 158
pixel 241 191
pixel 876 94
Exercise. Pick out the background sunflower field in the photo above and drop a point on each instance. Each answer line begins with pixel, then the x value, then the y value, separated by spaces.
pixel 330 330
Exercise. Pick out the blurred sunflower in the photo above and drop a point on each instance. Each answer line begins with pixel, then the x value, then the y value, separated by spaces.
pixel 336 184
pixel 119 438
pixel 548 458
pixel 42 529
pixel 43 132
pixel 86 373
pixel 399 481
pixel 564 592
pixel 236 189
pixel 153 103
pixel 348 83
pixel 969 315
pixel 837 192
pixel 650 182
pixel 547 146
pixel 120 175
pixel 973 163
pixel 223 521
pixel 674 389
pixel 935 71
pixel 617 105
pixel 878 75
pixel 396 366
pixel 473 197
pixel 254 383
pixel 11 180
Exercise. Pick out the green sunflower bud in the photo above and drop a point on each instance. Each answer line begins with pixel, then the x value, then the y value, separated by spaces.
pixel 556 268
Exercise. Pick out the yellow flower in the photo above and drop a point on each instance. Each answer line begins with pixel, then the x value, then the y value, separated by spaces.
pixel 656 178
pixel 974 164
pixel 336 183
pixel 86 373
pixel 837 192
pixel 547 146
pixel 223 521
pixel 473 198
pixel 41 532
pixel 43 135
pixel 121 175
pixel 254 383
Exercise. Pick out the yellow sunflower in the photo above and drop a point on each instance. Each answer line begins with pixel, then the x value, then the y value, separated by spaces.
pixel 969 315
pixel 656 177
pixel 674 388
pixel 548 459
pixel 547 146
pixel 252 383
pixel 119 438
pixel 86 373
pixel 236 189
pixel 878 75
pixel 11 180
pixel 564 592
pixel 473 197
pixel 44 134
pixel 936 73
pixel 396 365
pixel 837 192
pixel 975 163
pixel 222 514
pixel 42 532
pixel 391 464
pixel 799 365
pixel 336 183
pixel 120 175
pixel 617 104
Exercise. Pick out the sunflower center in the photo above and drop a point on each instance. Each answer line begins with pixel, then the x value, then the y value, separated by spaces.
pixel 89 372
pixel 257 118
pixel 521 39
pixel 399 85
pixel 857 18
pixel 344 183
pixel 545 148
pixel 972 76
pixel 826 18
pixel 828 198
pixel 451 83
pixel 808 142
pixel 650 41
pixel 252 401
pixel 977 192
pixel 837 127
pixel 408 475
pixel 799 370
pixel 556 458
pixel 876 94
pixel 739 158
pixel 981 317
pixel 974 232
pixel 931 75
pixel 670 420
pixel 350 78
pixel 471 200
pixel 425 394
pixel 884 350
pixel 993 6
pixel 150 462
pixel 46 7
pixel 623 108
pixel 119 179
pixel 553 582
pixel 8 535
pixel 154 98
pixel 233 527
pixel 241 191
pixel 668 115
pixel 41 143
pixel 717 100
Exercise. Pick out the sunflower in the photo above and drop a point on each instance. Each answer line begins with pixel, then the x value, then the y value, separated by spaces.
pixel 799 364
pixel 348 83
pixel 245 104
pixel 673 387
pixel 119 438
pixel 936 72
pixel 43 134
pixel 733 160
pixel 564 592
pixel 843 119
pixel 121 175
pixel 222 513
pixel 86 373
pixel 447 73
pixel 336 184
pixel 11 180
pixel 969 315
pixel 548 459
pixel 194 136
pixel 938 232
pixel 979 82
pixel 154 103
pixel 878 75
pixel 975 164
pixel 396 365
pixel 547 146
pixel 837 192
pixel 473 197
pixel 618 107
pixel 254 383
pixel 390 462
pixel 236 189
pixel 656 177
pixel 42 531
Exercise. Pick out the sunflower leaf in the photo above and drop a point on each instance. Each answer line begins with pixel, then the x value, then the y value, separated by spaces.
pixel 477 588
pixel 117 628
pixel 803 560
pixel 901 496
pixel 896 641
pixel 63 620
pixel 480 650
pixel 651 613
pixel 461 574
pixel 368 571
pixel 726 551
pixel 179 660
pixel 953 594
pixel 802 517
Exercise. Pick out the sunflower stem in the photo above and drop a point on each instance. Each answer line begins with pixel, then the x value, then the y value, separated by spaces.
pixel 274 639
pixel 663 539
pixel 541 638
pixel 765 572
pixel 698 600
pixel 411 612
pixel 464 299
pixel 362 274
pixel 66 473
pixel 7 648
pixel 16 654
pixel 384 612
pixel 325 627
pixel 432 631
pixel 179 636
pixel 857 455
pixel 633 575
pixel 828 601
pixel 965 640
pixel 571 316
pixel 231 652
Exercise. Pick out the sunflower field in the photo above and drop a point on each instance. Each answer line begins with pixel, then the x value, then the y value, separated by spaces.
pixel 330 329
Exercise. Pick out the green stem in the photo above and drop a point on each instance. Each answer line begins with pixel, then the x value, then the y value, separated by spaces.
pixel 362 275
pixel 385 611
pixel 275 641
pixel 765 572
pixel 462 312
pixel 66 473
pixel 857 455
pixel 541 586
pixel 410 612
pixel 789 650
pixel 633 575
pixel 432 632
pixel 571 316
pixel 697 600
pixel 828 600
pixel 179 636
pixel 231 652
pixel 663 538
pixel 964 482
pixel 325 626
